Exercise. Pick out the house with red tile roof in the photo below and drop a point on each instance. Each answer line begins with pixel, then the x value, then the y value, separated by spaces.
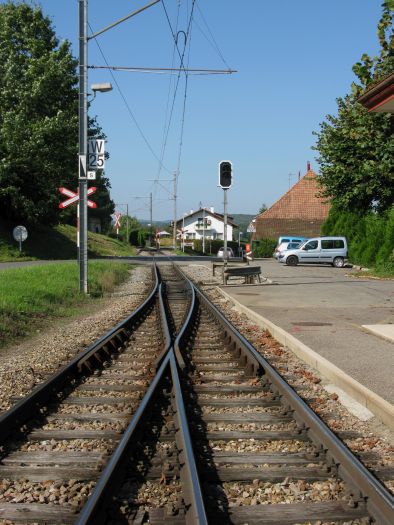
pixel 299 212
pixel 379 98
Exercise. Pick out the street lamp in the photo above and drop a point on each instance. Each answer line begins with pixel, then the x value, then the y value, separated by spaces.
pixel 239 243
pixel 101 88
pixel 105 86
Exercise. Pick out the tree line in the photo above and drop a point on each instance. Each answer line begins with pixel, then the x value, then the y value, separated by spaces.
pixel 39 122
pixel 357 163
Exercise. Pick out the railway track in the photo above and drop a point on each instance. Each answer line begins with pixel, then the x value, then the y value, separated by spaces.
pixel 56 441
pixel 217 435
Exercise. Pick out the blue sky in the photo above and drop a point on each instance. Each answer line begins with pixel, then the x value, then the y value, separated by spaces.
pixel 293 59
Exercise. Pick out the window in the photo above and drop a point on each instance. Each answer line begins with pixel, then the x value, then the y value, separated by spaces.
pixel 312 245
pixel 332 244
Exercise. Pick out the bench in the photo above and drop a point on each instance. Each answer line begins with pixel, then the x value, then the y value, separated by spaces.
pixel 249 272
pixel 235 265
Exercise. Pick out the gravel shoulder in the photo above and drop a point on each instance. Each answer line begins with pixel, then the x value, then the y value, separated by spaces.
pixel 30 362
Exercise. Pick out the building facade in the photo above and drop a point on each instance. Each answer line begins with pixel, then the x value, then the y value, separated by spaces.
pixel 204 222
pixel 299 212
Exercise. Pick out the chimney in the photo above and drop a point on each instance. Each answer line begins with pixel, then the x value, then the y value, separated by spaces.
pixel 212 209
pixel 308 166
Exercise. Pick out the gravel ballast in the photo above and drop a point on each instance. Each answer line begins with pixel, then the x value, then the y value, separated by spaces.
pixel 25 365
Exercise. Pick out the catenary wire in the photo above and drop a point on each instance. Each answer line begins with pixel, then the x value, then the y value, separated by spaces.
pixel 213 42
pixel 168 117
pixel 128 107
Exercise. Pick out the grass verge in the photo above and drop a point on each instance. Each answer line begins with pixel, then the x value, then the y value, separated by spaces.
pixel 58 242
pixel 374 274
pixel 31 296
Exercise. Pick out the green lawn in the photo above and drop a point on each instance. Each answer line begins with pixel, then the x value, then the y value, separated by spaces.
pixel 30 296
pixel 57 243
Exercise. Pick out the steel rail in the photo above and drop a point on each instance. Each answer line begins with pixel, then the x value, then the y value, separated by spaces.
pixel 195 509
pixel 93 512
pixel 17 415
pixel 184 331
pixel 164 326
pixel 379 501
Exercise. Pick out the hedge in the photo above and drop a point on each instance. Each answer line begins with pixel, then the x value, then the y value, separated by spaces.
pixel 370 237
pixel 263 247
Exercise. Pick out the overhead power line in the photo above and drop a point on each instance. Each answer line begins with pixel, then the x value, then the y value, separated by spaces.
pixel 213 42
pixel 167 70
pixel 128 107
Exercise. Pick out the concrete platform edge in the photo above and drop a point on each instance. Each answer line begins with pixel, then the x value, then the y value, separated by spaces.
pixel 381 408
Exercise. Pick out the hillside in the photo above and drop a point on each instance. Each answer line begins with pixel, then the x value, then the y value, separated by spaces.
pixel 242 220
pixel 57 243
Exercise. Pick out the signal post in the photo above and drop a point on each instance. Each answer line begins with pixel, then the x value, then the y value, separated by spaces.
pixel 225 182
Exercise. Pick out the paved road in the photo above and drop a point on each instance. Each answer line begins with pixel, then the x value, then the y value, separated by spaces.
pixel 324 308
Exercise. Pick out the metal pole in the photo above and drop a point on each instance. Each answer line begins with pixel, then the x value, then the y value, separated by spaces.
pixel 183 233
pixel 78 235
pixel 151 220
pixel 127 223
pixel 203 230
pixel 174 230
pixel 83 129
pixel 225 254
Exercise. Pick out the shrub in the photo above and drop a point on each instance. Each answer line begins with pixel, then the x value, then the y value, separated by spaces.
pixel 370 236
pixel 263 247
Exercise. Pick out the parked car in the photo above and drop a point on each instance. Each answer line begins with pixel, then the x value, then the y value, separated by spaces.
pixel 284 241
pixel 286 246
pixel 230 252
pixel 319 250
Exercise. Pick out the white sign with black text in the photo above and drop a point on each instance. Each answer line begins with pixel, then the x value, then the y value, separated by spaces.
pixel 96 152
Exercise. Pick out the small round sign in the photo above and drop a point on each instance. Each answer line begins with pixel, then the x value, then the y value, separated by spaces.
pixel 20 233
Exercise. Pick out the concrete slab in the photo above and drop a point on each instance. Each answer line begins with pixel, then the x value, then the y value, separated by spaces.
pixel 354 407
pixel 319 312
pixel 383 330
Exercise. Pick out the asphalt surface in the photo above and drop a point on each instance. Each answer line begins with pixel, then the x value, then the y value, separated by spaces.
pixel 325 308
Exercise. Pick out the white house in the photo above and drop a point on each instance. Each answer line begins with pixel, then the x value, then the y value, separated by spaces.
pixel 204 222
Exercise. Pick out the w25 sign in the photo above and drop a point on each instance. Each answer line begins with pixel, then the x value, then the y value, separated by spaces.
pixel 96 151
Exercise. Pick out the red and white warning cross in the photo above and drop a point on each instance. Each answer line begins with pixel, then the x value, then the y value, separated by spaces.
pixel 74 197
pixel 117 216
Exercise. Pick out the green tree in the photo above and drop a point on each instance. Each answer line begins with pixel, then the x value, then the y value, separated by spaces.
pixel 262 209
pixel 38 115
pixel 129 224
pixel 38 120
pixel 356 147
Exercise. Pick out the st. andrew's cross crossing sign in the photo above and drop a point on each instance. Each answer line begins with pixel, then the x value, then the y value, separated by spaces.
pixel 74 197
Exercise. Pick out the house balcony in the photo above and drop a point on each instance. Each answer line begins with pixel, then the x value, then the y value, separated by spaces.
pixel 200 225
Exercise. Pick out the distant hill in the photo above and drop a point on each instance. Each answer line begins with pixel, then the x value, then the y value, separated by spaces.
pixel 156 224
pixel 242 220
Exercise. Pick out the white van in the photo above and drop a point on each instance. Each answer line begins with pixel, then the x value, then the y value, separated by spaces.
pixel 319 250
